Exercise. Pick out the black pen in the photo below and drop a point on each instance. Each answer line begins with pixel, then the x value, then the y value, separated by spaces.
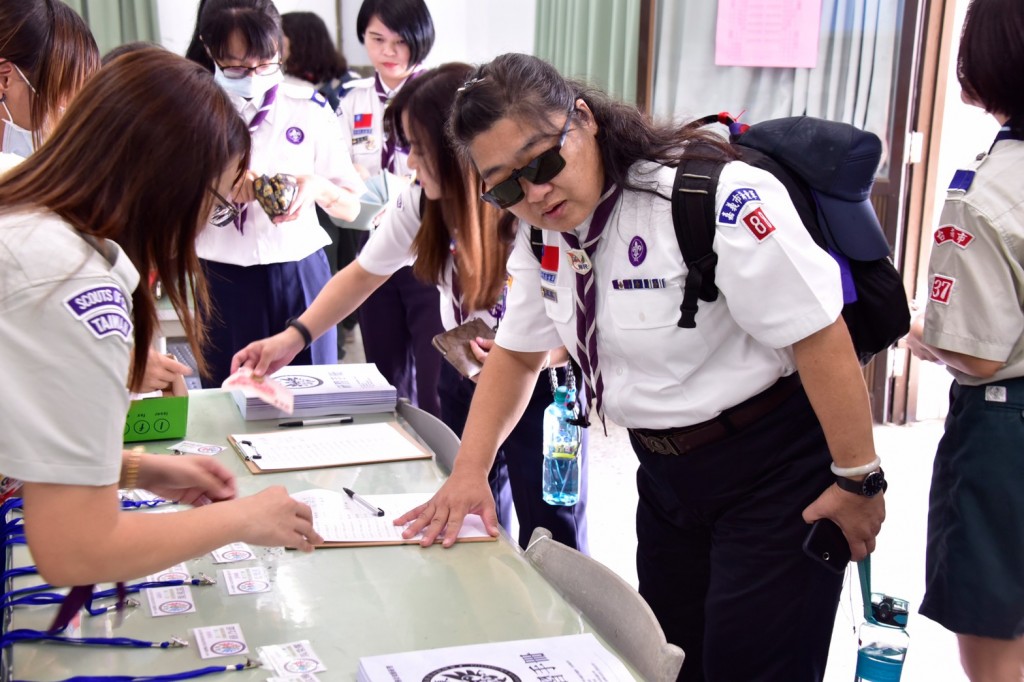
pixel 377 511
pixel 318 422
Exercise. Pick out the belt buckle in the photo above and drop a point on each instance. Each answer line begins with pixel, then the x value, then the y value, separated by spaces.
pixel 660 445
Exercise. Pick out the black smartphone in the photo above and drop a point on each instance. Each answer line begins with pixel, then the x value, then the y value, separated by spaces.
pixel 826 544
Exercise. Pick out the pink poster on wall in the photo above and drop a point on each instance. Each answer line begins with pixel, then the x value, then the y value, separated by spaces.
pixel 779 33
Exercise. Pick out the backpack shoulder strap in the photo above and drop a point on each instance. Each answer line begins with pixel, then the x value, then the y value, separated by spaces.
pixel 693 217
pixel 537 243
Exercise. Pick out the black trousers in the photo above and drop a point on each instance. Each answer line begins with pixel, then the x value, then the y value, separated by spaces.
pixel 719 552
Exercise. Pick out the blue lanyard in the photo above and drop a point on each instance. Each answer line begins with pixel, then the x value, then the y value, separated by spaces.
pixel 26 635
pixel 127 504
pixel 36 595
pixel 188 675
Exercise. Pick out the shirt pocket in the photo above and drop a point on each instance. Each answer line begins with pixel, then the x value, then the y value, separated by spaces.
pixel 559 303
pixel 645 308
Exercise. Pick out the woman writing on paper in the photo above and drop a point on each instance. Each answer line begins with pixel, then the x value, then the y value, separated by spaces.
pixel 453 239
pixel 79 220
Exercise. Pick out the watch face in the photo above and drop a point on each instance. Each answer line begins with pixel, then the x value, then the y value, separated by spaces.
pixel 874 483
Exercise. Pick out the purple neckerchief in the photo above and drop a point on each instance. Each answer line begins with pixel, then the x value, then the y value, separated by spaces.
pixel 387 148
pixel 261 115
pixel 586 298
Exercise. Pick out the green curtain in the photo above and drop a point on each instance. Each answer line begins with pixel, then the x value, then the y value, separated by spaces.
pixel 593 40
pixel 115 22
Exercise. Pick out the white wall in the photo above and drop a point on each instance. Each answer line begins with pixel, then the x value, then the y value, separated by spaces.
pixel 467 30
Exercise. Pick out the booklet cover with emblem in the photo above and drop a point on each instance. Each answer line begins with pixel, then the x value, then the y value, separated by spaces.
pixel 454 346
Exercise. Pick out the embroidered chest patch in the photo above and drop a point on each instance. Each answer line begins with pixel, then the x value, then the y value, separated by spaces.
pixel 735 203
pixel 951 234
pixel 942 289
pixel 637 251
pixel 758 224
pixel 295 135
pixel 103 311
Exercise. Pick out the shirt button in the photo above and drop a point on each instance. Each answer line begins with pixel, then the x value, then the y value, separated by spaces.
pixel 618 371
pixel 642 317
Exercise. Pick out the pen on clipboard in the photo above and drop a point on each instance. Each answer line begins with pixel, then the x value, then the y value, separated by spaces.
pixel 317 422
pixel 375 510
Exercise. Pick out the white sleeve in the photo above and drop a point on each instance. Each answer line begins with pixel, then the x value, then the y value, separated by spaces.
pixel 63 416
pixel 525 326
pixel 333 160
pixel 390 245
pixel 780 286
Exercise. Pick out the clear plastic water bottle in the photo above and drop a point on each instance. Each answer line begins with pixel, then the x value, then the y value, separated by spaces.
pixel 883 641
pixel 561 479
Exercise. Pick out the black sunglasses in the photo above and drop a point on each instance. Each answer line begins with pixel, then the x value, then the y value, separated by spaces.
pixel 543 168
pixel 224 213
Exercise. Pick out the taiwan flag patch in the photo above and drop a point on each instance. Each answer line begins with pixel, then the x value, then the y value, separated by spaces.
pixel 362 122
pixel 549 264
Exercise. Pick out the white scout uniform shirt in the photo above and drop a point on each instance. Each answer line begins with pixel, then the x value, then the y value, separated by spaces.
pixel 976 273
pixel 390 249
pixel 300 136
pixel 776 287
pixel 66 335
pixel 362 116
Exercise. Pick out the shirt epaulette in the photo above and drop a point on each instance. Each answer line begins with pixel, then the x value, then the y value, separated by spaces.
pixel 962 180
pixel 358 83
pixel 319 99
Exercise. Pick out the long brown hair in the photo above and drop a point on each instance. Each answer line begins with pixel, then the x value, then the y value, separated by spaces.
pixel 482 233
pixel 55 50
pixel 133 160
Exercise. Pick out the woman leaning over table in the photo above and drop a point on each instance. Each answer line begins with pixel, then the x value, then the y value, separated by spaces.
pixel 720 528
pixel 459 243
pixel 79 220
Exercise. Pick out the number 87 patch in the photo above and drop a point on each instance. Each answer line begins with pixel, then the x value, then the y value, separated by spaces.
pixel 942 289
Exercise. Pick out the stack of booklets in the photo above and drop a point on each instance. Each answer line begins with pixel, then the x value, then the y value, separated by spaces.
pixel 322 390
pixel 579 658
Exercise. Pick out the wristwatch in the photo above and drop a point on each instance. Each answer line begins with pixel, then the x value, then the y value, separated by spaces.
pixel 871 485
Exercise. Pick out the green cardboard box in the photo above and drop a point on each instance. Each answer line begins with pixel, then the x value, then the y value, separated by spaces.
pixel 156 419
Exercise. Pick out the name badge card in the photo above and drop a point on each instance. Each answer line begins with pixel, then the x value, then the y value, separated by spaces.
pixel 175 572
pixel 220 640
pixel 236 551
pixel 170 601
pixel 291 659
pixel 246 580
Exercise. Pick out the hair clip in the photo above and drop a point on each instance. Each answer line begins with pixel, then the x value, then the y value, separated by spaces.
pixel 471 82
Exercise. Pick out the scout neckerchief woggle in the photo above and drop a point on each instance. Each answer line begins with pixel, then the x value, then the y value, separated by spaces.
pixel 261 115
pixel 387 151
pixel 581 259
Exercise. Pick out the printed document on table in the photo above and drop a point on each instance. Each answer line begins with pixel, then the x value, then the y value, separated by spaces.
pixel 579 658
pixel 342 521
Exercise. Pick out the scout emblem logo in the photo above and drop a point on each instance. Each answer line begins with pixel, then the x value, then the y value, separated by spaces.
pixel 579 261
pixel 758 224
pixel 295 135
pixel 227 647
pixel 637 251
pixel 296 381
pixel 942 288
pixel 953 234
pixel 471 672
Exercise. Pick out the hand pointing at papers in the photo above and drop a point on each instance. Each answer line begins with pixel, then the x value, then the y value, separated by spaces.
pixel 463 493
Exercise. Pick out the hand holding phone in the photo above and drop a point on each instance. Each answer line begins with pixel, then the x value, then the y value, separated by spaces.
pixel 826 544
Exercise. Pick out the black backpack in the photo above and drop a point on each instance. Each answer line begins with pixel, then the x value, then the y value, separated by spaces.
pixel 828 169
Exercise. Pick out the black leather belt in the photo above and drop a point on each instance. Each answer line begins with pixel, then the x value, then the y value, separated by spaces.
pixel 683 440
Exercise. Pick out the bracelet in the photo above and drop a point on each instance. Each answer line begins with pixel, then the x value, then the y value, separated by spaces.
pixel 307 337
pixel 131 470
pixel 849 472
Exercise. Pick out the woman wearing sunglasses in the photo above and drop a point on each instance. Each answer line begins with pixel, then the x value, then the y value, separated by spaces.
pixel 264 271
pixel 720 527
pixel 71 305
pixel 455 241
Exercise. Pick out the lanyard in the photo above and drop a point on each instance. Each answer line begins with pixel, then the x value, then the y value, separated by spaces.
pixel 26 635
pixel 187 675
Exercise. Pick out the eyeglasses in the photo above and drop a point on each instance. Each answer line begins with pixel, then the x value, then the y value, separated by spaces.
pixel 543 168
pixel 237 72
pixel 224 213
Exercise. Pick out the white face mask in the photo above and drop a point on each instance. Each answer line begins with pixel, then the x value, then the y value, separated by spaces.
pixel 16 140
pixel 249 87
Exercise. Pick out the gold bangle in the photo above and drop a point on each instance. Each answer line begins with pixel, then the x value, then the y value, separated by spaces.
pixel 130 475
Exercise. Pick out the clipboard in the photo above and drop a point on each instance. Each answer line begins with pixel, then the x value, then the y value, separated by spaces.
pixel 320 447
pixel 335 515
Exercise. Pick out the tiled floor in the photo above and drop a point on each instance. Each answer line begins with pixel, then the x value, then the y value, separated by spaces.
pixel 897 564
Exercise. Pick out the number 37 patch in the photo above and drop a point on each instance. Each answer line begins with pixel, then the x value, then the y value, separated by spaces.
pixel 942 288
